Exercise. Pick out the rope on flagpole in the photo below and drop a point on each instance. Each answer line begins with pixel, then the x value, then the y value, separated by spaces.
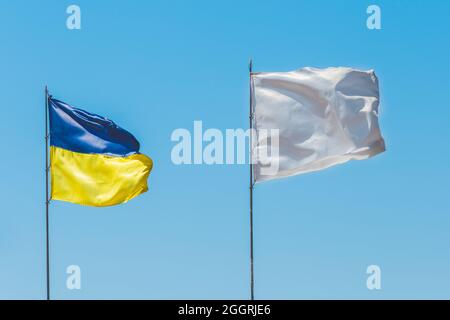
pixel 47 199
pixel 252 281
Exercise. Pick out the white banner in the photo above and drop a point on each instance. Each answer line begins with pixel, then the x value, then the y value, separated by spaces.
pixel 311 119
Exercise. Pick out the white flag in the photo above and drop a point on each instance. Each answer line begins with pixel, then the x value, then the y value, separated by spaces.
pixel 311 119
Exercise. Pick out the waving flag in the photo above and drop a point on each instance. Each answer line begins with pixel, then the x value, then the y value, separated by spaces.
pixel 317 117
pixel 93 161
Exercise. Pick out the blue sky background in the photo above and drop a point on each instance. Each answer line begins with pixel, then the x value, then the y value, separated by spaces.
pixel 156 66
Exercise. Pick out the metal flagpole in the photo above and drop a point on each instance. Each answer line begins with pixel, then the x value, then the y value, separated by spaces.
pixel 252 282
pixel 47 200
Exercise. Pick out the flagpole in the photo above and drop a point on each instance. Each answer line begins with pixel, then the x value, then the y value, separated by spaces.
pixel 47 200
pixel 252 282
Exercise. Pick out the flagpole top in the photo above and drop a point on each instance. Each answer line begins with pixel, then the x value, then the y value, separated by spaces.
pixel 250 65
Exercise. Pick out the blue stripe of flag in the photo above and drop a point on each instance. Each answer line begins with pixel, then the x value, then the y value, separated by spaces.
pixel 80 131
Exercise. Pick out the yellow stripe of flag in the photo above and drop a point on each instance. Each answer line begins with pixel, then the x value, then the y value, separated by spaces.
pixel 96 179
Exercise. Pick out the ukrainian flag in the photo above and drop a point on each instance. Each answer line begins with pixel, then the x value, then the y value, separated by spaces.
pixel 93 161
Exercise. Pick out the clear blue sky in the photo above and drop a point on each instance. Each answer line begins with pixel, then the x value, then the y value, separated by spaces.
pixel 156 66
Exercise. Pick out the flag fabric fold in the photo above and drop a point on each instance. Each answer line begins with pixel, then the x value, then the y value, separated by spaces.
pixel 311 119
pixel 93 161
